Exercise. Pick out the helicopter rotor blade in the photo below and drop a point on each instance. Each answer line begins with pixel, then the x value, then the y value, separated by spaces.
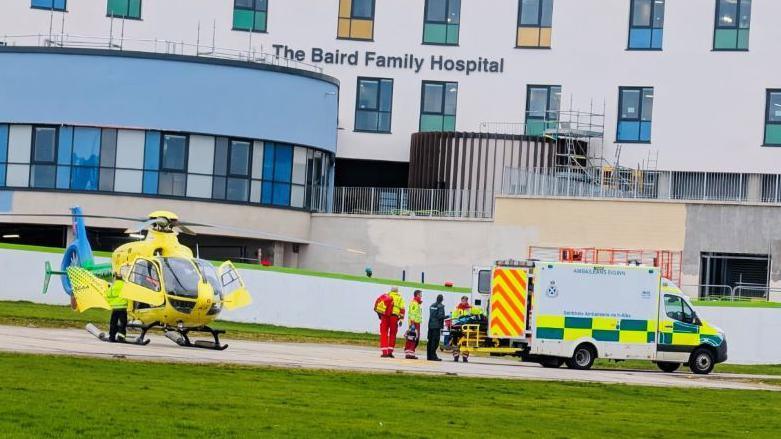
pixel 184 229
pixel 274 236
pixel 143 225
pixel 65 215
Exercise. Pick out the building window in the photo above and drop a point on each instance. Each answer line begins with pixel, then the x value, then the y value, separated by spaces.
pixel 635 106
pixel 277 174
pixel 646 24
pixel 56 5
pixel 441 22
pixel 542 108
pixel 44 157
pixel 373 105
pixel 124 9
pixel 173 165
pixel 85 159
pixel 356 19
pixel 237 188
pixel 773 118
pixel 535 22
pixel 733 21
pixel 250 15
pixel 438 106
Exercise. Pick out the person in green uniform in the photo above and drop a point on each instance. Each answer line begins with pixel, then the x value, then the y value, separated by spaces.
pixel 118 322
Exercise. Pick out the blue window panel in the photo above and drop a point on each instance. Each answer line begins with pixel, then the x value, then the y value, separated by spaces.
pixel 84 178
pixel 86 146
pixel 152 151
pixel 3 152
pixel 65 146
pixel 63 177
pixel 656 38
pixel 628 131
pixel 48 4
pixel 645 131
pixel 150 182
pixel 64 150
pixel 639 38
pixel 265 197
pixel 281 194
pixel 283 164
pixel 268 162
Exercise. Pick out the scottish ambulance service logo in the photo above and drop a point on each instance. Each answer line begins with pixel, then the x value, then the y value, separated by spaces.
pixel 552 291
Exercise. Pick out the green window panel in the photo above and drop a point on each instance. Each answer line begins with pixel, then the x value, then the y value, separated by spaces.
pixel 535 127
pixel 449 123
pixel 431 122
pixel 743 39
pixel 260 21
pixel 124 8
pixel 773 134
pixel 435 33
pixel 726 39
pixel 452 34
pixel 242 19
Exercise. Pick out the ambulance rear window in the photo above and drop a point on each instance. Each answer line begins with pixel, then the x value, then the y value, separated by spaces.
pixel 484 281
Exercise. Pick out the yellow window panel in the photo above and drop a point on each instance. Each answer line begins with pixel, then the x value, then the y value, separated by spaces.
pixel 545 35
pixel 605 323
pixel 345 8
pixel 686 339
pixel 572 334
pixel 550 321
pixel 633 337
pixel 344 28
pixel 362 29
pixel 528 37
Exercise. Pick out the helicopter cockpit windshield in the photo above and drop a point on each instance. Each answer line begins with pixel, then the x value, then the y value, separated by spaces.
pixel 181 277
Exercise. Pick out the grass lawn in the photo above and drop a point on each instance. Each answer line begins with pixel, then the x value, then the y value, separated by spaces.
pixel 737 303
pixel 55 316
pixel 753 369
pixel 79 397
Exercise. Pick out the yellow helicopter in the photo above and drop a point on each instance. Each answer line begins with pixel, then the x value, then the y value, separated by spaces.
pixel 164 285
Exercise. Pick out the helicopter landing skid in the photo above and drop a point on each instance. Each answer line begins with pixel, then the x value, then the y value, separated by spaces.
pixel 102 336
pixel 181 337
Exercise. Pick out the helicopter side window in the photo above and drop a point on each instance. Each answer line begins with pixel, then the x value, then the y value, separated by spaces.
pixel 145 273
pixel 230 280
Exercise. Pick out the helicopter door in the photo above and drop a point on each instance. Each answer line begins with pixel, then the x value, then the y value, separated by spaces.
pixel 143 283
pixel 234 292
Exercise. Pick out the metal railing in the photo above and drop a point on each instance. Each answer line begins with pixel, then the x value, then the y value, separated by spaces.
pixel 403 202
pixel 737 292
pixel 640 184
pixel 160 46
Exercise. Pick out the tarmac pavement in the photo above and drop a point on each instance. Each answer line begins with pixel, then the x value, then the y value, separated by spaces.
pixel 75 342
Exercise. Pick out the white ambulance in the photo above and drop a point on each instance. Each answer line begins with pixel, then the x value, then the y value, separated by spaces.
pixel 564 313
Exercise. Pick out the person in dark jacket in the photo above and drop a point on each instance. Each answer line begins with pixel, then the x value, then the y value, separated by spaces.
pixel 436 320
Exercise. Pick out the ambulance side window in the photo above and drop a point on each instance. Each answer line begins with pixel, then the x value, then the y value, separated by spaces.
pixel 484 281
pixel 677 309
pixel 673 307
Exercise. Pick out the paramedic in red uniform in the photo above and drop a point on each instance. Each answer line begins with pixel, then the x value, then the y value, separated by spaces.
pixel 390 308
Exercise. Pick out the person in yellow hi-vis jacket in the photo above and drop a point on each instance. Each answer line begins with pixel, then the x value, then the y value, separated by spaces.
pixel 118 322
pixel 413 329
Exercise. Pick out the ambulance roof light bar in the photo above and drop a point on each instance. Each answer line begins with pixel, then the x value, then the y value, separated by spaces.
pixel 520 263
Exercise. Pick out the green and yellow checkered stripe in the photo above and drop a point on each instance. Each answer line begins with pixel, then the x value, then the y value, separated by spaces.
pixel 552 327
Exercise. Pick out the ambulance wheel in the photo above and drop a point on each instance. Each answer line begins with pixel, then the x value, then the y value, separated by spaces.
pixel 668 367
pixel 551 362
pixel 701 361
pixel 583 357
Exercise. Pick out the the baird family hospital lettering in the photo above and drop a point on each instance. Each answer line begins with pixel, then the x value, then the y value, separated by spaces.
pixel 407 61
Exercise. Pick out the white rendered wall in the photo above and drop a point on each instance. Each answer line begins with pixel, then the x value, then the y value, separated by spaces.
pixel 708 108
pixel 321 303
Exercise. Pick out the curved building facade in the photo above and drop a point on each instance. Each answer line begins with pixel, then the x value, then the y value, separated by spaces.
pixel 188 127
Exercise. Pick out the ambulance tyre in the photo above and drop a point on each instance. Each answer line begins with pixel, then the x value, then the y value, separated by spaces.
pixel 551 362
pixel 583 357
pixel 702 361
pixel 668 367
